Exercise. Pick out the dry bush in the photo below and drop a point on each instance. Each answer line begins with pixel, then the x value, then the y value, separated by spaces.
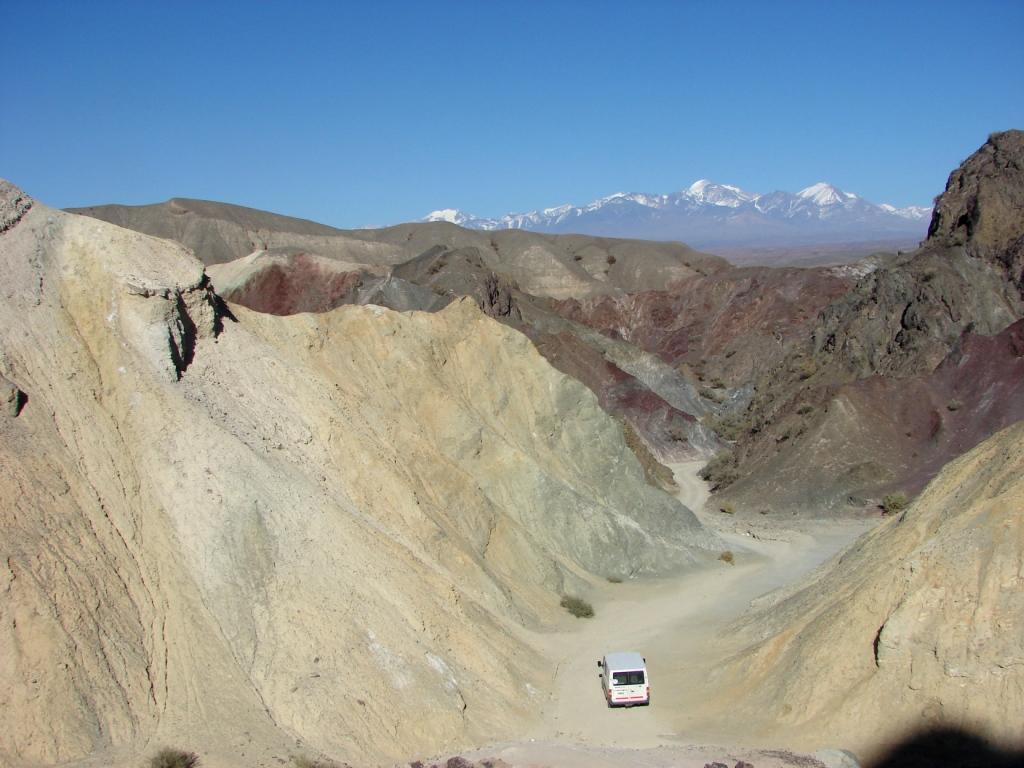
pixel 893 503
pixel 578 607
pixel 721 470
pixel 727 557
pixel 805 369
pixel 174 758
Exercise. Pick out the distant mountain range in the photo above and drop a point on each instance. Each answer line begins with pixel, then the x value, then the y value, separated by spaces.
pixel 707 214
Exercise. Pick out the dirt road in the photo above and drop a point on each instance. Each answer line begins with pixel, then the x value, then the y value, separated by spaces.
pixel 673 623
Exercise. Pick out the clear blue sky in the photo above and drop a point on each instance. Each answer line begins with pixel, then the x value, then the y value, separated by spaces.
pixel 375 113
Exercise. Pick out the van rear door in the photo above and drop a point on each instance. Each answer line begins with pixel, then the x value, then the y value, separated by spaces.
pixel 628 686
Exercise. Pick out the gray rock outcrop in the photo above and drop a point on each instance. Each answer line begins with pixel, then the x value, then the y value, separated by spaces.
pixel 11 398
pixel 982 208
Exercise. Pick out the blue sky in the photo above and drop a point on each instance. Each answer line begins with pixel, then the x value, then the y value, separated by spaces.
pixel 355 114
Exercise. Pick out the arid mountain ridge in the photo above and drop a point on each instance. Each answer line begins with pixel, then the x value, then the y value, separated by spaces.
pixel 689 348
pixel 236 488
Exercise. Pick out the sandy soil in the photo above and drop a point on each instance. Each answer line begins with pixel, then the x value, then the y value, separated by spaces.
pixel 675 623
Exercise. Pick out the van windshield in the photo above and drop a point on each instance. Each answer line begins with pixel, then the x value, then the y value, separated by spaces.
pixel 628 678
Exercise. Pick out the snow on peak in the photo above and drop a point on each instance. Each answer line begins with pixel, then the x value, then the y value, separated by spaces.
pixel 824 193
pixel 558 210
pixel 705 191
pixel 451 215
pixel 912 212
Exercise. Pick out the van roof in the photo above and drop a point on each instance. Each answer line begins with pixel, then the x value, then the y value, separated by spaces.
pixel 624 660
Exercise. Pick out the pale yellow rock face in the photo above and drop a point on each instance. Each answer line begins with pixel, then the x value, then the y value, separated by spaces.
pixel 919 624
pixel 228 533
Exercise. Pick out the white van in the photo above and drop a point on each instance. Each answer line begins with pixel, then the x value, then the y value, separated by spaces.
pixel 624 679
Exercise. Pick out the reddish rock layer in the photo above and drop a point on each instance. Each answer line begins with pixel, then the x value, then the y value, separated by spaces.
pixel 735 321
pixel 302 284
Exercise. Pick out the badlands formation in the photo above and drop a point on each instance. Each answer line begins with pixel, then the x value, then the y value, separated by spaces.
pixel 219 524
pixel 276 489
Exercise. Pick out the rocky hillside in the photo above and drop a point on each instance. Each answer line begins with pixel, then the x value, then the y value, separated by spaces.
pixel 283 266
pixel 219 523
pixel 688 352
pixel 541 265
pixel 917 626
pixel 899 322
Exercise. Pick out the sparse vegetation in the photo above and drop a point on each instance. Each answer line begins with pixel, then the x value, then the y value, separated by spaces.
pixel 610 259
pixel 727 557
pixel 578 607
pixel 893 503
pixel 806 369
pixel 728 427
pixel 174 758
pixel 614 579
pixel 712 395
pixel 953 405
pixel 804 409
pixel 721 470
pixel 727 509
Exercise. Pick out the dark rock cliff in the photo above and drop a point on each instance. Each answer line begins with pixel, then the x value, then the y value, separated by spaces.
pixel 898 322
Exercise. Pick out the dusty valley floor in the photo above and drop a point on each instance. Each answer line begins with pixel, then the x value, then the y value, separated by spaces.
pixel 680 625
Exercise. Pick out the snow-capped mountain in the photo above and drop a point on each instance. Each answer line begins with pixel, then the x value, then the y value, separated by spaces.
pixel 708 214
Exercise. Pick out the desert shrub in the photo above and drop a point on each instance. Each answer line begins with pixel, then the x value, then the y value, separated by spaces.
pixel 610 259
pixel 804 409
pixel 893 503
pixel 727 509
pixel 174 758
pixel 806 369
pixel 727 557
pixel 614 579
pixel 577 257
pixel 731 427
pixel 953 405
pixel 721 470
pixel 712 395
pixel 578 607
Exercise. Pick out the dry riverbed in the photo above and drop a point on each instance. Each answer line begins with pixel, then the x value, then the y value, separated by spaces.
pixel 676 623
